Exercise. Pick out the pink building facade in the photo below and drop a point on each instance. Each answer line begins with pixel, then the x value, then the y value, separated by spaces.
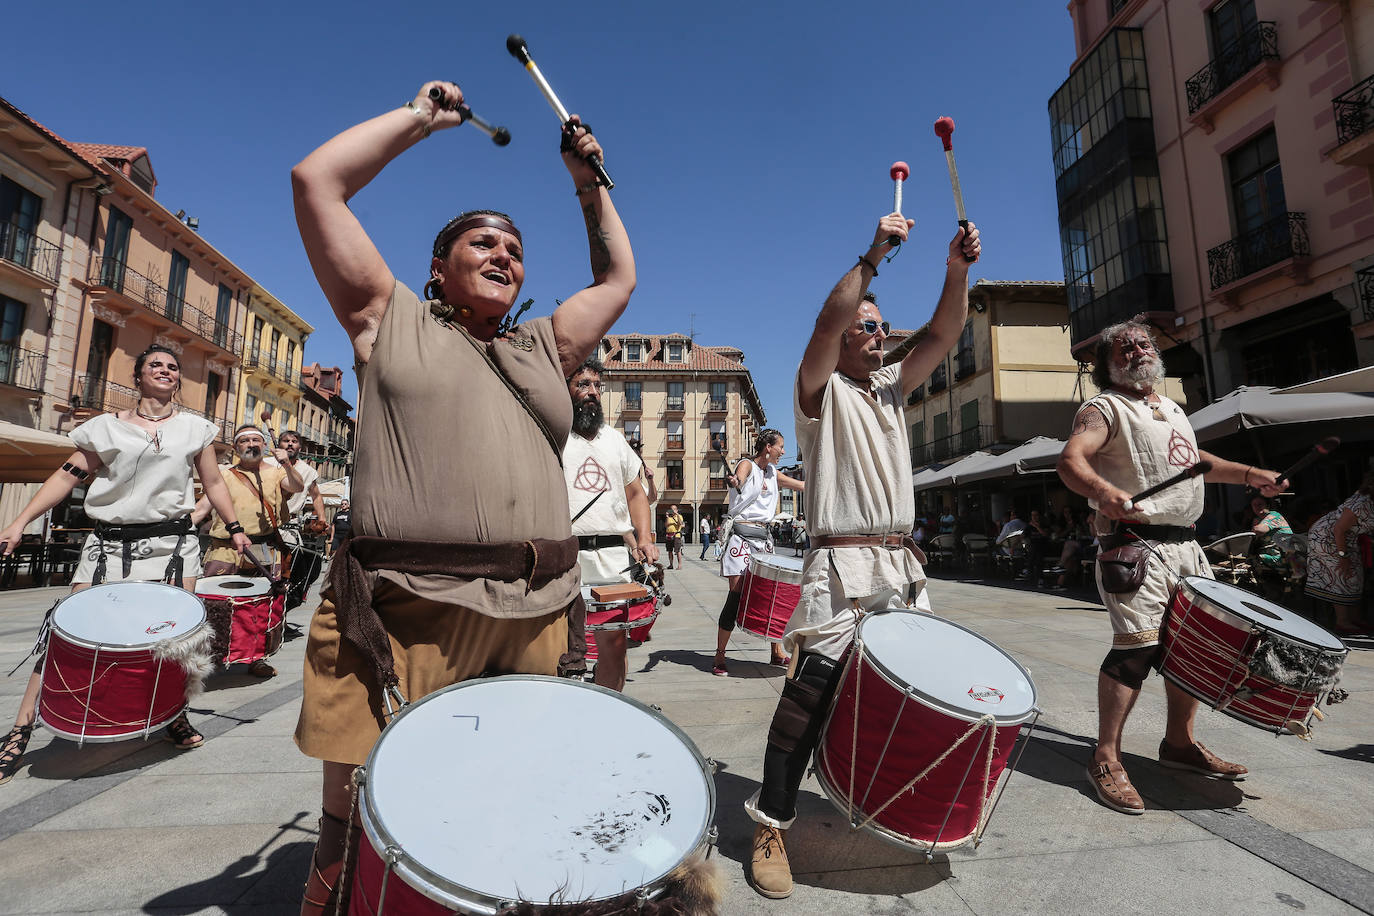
pixel 1212 162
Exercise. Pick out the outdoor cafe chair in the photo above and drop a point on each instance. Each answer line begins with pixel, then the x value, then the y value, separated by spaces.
pixel 978 548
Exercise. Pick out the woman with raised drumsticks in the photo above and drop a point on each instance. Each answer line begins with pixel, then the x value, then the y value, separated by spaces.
pixel 439 575
pixel 138 465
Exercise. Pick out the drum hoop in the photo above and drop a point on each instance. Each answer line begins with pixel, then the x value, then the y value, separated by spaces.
pixel 931 702
pixel 432 885
pixel 1211 608
pixel 620 625
pixel 124 647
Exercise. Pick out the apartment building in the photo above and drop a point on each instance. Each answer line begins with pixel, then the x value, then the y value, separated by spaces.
pixel 1212 166
pixel 693 407
pixel 274 344
pixel 326 425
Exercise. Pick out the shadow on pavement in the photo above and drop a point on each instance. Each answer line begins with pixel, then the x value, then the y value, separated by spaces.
pixel 1062 758
pixel 705 661
pixel 250 879
pixel 1361 752
pixel 61 760
pixel 819 834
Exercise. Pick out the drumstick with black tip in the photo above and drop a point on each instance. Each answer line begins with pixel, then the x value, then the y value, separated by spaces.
pixel 521 52
pixel 900 171
pixel 944 129
pixel 499 135
pixel 1321 450
pixel 1202 467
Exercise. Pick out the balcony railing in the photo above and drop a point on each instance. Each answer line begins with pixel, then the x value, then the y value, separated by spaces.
pixel 938 380
pixel 675 404
pixel 718 483
pixel 675 444
pixel 718 405
pixel 951 446
pixel 1354 110
pixel 94 392
pixel 21 368
pixel 917 395
pixel 1275 241
pixel 1258 43
pixel 114 274
pixel 1364 287
pixel 19 246
pixel 963 364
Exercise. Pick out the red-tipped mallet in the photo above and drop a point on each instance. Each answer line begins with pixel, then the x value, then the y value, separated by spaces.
pixel 899 172
pixel 944 129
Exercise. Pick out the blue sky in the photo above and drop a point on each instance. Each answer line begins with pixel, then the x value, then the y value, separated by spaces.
pixel 750 143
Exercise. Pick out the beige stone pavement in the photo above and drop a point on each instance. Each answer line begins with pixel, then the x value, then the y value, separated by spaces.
pixel 141 828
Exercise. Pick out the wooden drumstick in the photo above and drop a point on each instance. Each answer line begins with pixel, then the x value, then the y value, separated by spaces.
pixel 1202 467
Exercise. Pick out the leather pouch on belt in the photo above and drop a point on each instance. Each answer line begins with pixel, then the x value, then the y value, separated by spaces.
pixel 1123 568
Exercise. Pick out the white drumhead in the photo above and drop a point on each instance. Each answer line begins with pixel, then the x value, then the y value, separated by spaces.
pixel 232 587
pixel 948 664
pixel 128 614
pixel 789 567
pixel 526 787
pixel 1263 612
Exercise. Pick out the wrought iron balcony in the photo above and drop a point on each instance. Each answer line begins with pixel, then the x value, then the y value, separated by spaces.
pixel 1275 241
pixel 21 368
pixel 1354 110
pixel 1258 43
pixel 917 395
pixel 1364 286
pixel 952 446
pixel 718 405
pixel 19 246
pixel 113 274
pixel 675 404
pixel 938 379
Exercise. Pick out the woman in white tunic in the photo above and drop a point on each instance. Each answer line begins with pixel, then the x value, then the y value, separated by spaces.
pixel 753 503
pixel 140 463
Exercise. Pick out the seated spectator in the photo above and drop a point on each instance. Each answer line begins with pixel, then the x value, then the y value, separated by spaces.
pixel 1266 521
pixel 1013 525
pixel 1079 544
pixel 947 521
pixel 1038 539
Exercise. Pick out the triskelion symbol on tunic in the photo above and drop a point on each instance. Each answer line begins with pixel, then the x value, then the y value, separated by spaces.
pixel 591 477
pixel 1182 453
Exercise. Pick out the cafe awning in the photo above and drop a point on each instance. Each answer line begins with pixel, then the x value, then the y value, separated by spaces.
pixel 1254 407
pixel 1034 456
pixel 1358 381
pixel 30 455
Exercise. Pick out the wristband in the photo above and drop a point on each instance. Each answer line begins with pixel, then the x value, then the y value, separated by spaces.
pixel 869 264
pixel 75 471
pixel 589 186
pixel 234 528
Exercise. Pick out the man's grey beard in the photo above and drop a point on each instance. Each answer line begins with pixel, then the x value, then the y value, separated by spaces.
pixel 588 417
pixel 251 452
pixel 1150 374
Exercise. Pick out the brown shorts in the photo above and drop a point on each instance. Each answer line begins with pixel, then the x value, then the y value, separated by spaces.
pixel 434 645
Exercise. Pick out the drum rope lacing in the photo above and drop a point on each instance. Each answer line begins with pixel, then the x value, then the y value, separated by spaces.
pixel 57 718
pixel 988 720
pixel 357 779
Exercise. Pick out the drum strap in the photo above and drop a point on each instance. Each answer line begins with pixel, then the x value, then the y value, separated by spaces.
pixel 538 561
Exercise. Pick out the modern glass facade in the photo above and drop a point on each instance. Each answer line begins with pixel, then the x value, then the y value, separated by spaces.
pixel 1111 211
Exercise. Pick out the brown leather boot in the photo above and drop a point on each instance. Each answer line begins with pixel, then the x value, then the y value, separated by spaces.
pixel 770 870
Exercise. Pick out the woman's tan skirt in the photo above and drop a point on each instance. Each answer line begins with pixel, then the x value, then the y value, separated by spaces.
pixel 434 645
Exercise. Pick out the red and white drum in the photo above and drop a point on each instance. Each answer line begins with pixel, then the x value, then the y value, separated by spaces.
pixel 118 658
pixel 921 729
pixel 1248 657
pixel 248 617
pixel 462 811
pixel 635 614
pixel 769 594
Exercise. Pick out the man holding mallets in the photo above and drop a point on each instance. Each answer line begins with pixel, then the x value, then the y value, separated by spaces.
pixel 1127 440
pixel 860 512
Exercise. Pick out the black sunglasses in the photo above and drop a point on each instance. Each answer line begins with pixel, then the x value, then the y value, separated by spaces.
pixel 870 326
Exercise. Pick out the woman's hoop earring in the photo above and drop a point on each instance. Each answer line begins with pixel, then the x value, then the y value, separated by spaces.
pixel 434 289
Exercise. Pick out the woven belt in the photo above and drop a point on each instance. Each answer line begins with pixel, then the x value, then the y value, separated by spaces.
pixel 598 541
pixel 1128 532
pixel 889 541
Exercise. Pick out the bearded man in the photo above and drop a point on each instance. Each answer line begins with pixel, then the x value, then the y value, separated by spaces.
pixel 259 492
pixel 612 523
pixel 1126 439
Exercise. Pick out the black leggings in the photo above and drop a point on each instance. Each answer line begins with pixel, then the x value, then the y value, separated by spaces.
pixel 729 612
pixel 795 730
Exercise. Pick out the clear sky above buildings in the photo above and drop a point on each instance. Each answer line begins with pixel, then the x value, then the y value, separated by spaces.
pixel 750 142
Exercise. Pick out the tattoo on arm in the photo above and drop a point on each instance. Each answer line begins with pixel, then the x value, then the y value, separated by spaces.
pixel 1088 419
pixel 597 238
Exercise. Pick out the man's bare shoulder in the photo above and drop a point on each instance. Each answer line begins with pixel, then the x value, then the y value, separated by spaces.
pixel 1089 419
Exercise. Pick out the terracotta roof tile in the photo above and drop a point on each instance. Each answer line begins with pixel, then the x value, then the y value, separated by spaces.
pixel 94 152
pixel 700 358
pixel 69 147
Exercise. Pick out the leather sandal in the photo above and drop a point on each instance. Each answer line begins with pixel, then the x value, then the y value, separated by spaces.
pixel 1197 759
pixel 12 751
pixel 1114 788
pixel 262 669
pixel 183 734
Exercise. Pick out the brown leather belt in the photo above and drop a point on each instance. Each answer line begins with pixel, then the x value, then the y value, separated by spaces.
pixel 890 541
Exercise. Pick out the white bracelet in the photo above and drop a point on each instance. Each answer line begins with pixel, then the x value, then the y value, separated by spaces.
pixel 427 118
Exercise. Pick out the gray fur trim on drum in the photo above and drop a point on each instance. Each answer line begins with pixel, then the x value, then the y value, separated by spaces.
pixel 694 888
pixel 192 654
pixel 1291 665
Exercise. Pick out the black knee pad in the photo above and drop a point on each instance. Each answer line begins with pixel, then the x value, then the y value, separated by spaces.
pixel 729 612
pixel 1132 666
pixel 804 696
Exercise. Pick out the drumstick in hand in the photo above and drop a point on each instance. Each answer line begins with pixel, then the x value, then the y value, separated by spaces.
pixel 900 171
pixel 1202 467
pixel 1320 450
